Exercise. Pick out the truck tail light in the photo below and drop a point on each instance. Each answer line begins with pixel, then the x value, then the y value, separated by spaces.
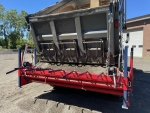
pixel 116 24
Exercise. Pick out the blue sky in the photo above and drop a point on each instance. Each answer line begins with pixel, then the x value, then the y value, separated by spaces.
pixel 134 7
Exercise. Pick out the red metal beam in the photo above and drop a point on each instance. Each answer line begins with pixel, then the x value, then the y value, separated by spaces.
pixel 80 85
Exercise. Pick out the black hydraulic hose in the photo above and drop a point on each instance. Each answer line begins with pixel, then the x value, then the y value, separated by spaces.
pixel 11 71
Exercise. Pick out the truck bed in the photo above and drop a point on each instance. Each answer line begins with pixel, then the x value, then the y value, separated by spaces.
pixel 96 69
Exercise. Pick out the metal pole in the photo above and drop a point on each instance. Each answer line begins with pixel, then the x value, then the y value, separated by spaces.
pixel 19 65
pixel 131 59
pixel 34 57
pixel 131 54
pixel 131 65
pixel 125 12
pixel 125 56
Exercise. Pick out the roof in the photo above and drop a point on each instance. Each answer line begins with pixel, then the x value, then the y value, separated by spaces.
pixel 139 18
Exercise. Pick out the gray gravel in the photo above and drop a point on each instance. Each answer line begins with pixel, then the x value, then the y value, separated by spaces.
pixel 42 98
pixel 8 51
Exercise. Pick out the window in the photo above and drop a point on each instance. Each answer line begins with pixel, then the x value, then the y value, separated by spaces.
pixel 134 46
pixel 148 50
pixel 140 46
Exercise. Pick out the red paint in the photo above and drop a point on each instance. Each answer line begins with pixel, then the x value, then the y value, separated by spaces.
pixel 125 84
pixel 24 81
pixel 86 77
pixel 102 83
pixel 103 88
pixel 92 82
pixel 116 23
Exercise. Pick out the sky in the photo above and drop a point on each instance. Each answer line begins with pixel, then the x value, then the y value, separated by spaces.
pixel 134 7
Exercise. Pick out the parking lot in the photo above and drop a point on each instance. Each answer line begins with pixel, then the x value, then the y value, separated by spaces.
pixel 42 98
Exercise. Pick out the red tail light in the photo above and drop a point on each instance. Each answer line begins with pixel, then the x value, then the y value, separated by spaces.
pixel 116 24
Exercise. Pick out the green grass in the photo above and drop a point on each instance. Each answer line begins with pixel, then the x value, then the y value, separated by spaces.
pixel 1 48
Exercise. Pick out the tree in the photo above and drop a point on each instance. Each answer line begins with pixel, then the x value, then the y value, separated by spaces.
pixel 3 24
pixel 12 26
pixel 30 40
pixel 2 43
pixel 21 42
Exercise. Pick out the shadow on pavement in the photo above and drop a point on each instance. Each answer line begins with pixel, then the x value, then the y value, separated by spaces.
pixel 140 101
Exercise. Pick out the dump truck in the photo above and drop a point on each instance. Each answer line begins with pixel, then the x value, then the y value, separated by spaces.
pixel 81 44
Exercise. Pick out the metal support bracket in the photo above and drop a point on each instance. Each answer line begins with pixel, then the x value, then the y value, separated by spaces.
pixel 34 57
pixel 19 66
pixel 125 53
pixel 55 37
pixel 79 35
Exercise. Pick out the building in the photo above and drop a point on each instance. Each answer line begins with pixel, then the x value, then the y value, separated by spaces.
pixel 139 30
